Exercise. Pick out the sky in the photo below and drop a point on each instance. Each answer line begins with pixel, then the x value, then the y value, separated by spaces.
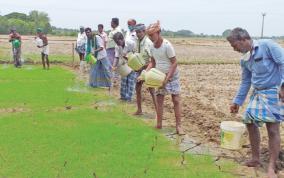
pixel 211 17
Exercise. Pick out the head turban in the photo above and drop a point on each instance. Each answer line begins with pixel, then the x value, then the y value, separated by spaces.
pixel 153 28
pixel 140 27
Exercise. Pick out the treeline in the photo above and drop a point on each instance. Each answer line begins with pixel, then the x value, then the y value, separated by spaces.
pixel 25 24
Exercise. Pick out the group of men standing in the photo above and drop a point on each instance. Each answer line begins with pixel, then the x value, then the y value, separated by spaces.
pixel 157 52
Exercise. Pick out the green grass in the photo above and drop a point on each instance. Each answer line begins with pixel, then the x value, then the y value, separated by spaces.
pixel 42 138
pixel 36 58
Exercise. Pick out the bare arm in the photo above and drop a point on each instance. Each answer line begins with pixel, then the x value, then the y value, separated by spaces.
pixel 115 63
pixel 45 41
pixel 151 65
pixel 99 49
pixel 172 69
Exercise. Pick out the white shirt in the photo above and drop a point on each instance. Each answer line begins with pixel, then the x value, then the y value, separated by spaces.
pixel 111 43
pixel 81 39
pixel 100 44
pixel 131 36
pixel 162 56
pixel 104 37
pixel 120 52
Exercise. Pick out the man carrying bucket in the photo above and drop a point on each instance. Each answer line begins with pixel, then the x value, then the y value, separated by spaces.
pixel 15 39
pixel 264 70
pixel 164 59
pixel 128 81
pixel 143 47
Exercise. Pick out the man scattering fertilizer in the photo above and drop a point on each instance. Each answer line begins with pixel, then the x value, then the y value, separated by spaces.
pixel 143 46
pixel 128 82
pixel 164 59
pixel 264 70
pixel 44 48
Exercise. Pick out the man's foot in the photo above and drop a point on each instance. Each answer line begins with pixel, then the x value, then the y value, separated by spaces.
pixel 271 173
pixel 158 127
pixel 138 113
pixel 252 163
pixel 180 131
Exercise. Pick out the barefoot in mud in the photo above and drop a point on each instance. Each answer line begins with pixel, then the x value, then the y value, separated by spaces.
pixel 180 131
pixel 271 173
pixel 158 127
pixel 252 163
pixel 138 113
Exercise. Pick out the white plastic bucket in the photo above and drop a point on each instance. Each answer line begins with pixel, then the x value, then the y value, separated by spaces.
pixel 38 41
pixel 231 134
pixel 124 70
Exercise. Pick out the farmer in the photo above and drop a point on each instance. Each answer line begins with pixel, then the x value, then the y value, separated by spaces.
pixel 16 40
pixel 121 50
pixel 80 45
pixel 111 44
pixel 103 34
pixel 164 59
pixel 44 48
pixel 143 46
pixel 264 70
pixel 100 74
pixel 131 33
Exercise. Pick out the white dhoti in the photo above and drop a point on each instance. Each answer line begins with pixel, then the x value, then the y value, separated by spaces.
pixel 45 50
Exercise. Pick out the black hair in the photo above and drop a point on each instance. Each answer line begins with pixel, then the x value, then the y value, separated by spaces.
pixel 115 20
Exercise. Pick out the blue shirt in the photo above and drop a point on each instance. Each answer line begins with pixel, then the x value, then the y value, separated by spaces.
pixel 264 69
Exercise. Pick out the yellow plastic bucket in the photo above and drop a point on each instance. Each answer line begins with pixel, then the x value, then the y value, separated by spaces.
pixel 154 78
pixel 135 61
pixel 142 75
pixel 231 134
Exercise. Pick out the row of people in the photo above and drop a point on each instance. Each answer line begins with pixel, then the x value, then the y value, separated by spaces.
pixel 112 53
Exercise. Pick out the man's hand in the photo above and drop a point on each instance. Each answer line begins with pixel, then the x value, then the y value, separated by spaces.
pixel 164 83
pixel 113 68
pixel 125 57
pixel 234 108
